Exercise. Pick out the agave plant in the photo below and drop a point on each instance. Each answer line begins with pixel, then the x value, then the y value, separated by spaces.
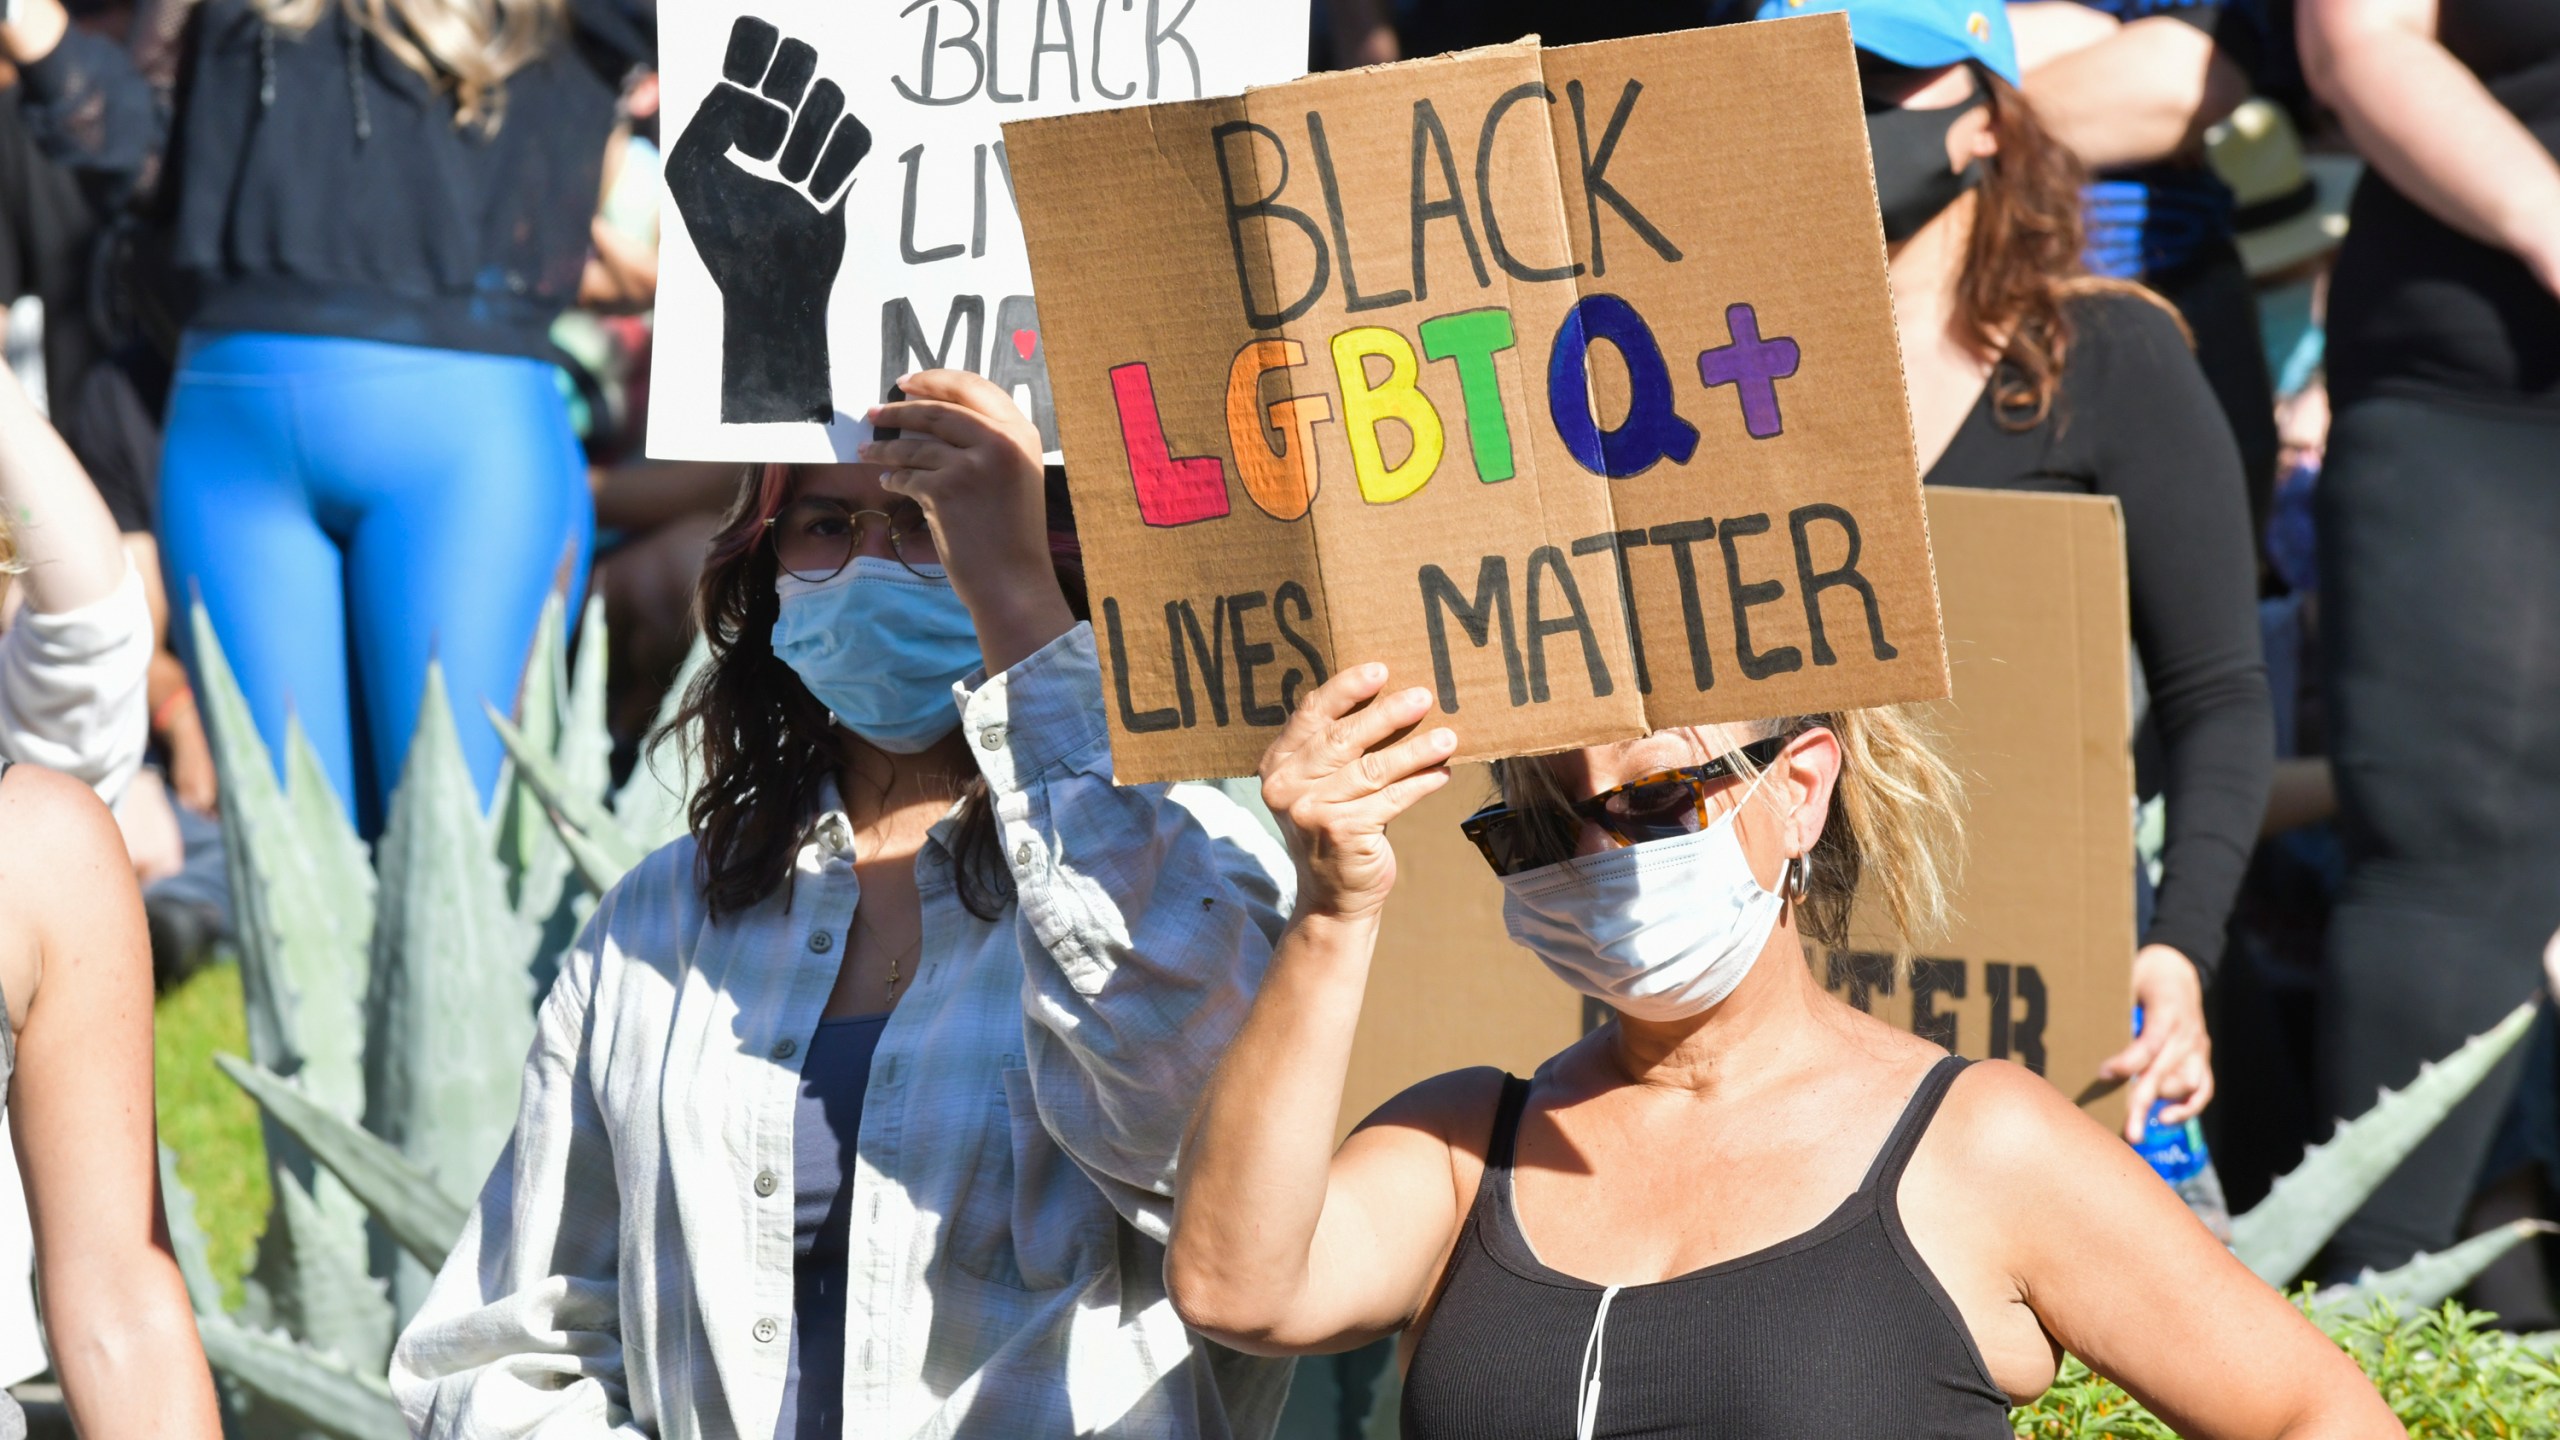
pixel 390 1002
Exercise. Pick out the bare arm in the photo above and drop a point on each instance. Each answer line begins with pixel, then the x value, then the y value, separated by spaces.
pixel 2426 122
pixel 1279 1245
pixel 65 537
pixel 115 1311
pixel 2046 30
pixel 2121 1275
pixel 2144 93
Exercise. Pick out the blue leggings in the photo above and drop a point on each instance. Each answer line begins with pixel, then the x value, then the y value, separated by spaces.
pixel 349 510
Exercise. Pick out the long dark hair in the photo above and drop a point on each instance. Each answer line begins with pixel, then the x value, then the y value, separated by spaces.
pixel 769 746
pixel 2023 263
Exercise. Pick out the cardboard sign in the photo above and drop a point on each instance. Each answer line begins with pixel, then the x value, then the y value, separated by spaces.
pixel 2038 967
pixel 841 199
pixel 1564 382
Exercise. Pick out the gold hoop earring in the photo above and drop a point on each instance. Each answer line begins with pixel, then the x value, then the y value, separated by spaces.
pixel 1798 878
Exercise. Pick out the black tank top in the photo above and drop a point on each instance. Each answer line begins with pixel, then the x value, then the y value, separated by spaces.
pixel 1839 1333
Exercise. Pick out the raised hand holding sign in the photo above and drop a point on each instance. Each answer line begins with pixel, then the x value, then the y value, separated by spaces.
pixel 772 246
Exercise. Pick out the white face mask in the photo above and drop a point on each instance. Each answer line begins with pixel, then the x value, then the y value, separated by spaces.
pixel 1661 931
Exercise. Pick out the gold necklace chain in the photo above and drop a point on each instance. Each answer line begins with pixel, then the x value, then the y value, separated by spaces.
pixel 896 957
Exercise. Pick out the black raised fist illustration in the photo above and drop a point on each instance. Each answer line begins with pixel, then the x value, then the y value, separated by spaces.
pixel 772 246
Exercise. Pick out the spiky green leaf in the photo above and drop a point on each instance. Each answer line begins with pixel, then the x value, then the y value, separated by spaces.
pixel 2428 1280
pixel 332 1042
pixel 586 744
pixel 413 1208
pixel 317 1267
pixel 2306 1207
pixel 453 1012
pixel 302 954
pixel 651 803
pixel 598 868
pixel 315 1389
pixel 574 810
pixel 302 904
pixel 584 759
pixel 522 831
pixel 186 1238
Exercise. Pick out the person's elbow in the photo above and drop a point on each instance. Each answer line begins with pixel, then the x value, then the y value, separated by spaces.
pixel 2146 94
pixel 1218 1302
pixel 1203 1294
pixel 130 1326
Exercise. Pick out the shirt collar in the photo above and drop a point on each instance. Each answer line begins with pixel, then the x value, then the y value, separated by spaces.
pixel 830 835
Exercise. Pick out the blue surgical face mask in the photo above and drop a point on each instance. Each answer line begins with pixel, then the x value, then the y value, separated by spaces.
pixel 881 647
pixel 1661 931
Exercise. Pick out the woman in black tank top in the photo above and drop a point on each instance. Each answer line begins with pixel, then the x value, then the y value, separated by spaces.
pixel 1740 1209
pixel 1678 1362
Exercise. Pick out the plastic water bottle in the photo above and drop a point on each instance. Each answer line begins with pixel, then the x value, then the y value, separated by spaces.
pixel 2177 1154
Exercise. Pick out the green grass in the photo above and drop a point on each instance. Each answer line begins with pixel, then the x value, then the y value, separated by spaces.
pixel 208 1121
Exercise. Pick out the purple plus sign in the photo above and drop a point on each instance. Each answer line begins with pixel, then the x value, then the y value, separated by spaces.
pixel 1752 366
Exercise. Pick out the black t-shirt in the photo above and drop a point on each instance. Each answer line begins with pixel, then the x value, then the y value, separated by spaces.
pixel 314 184
pixel 2133 418
pixel 2416 306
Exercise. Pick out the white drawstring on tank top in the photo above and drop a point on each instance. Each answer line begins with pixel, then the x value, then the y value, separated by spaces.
pixel 1594 1353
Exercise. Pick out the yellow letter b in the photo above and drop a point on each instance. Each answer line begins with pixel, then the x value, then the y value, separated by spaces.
pixel 1398 397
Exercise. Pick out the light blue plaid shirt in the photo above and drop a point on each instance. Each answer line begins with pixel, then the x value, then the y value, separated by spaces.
pixel 628 1270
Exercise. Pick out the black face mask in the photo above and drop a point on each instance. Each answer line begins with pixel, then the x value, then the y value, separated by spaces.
pixel 1913 182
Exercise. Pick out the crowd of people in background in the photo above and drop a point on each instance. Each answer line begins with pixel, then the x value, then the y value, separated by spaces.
pixel 2282 277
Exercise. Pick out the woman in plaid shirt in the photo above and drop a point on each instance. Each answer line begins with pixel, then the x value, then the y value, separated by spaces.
pixel 854 1112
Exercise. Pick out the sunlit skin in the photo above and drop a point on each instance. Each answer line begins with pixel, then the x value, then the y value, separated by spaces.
pixel 969 462
pixel 75 965
pixel 2173 1058
pixel 2120 93
pixel 1652 1149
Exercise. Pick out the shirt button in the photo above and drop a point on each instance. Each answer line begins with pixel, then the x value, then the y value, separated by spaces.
pixel 991 738
pixel 820 942
pixel 785 1048
pixel 767 1183
pixel 766 1329
pixel 1022 854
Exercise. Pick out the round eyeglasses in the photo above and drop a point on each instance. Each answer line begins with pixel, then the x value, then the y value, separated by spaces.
pixel 815 537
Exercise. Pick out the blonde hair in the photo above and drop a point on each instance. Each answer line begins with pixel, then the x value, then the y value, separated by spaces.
pixel 469 47
pixel 8 547
pixel 1895 825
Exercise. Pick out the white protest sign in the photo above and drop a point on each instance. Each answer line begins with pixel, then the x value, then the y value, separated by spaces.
pixel 840 205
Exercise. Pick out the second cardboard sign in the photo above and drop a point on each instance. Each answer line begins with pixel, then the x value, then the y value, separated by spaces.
pixel 2038 964
pixel 1562 381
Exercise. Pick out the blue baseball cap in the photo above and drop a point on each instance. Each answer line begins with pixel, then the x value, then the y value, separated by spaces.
pixel 1922 34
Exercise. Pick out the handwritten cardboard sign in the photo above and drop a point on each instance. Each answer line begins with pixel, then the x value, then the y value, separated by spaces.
pixel 2037 967
pixel 1563 381
pixel 841 199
